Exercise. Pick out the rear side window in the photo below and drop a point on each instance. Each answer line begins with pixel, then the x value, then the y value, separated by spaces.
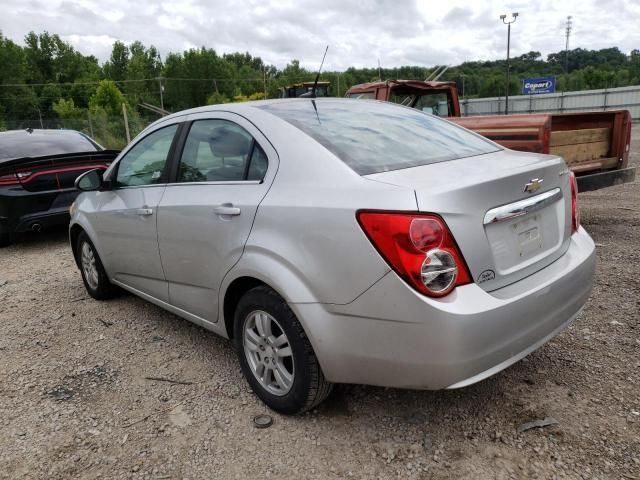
pixel 372 137
pixel 220 151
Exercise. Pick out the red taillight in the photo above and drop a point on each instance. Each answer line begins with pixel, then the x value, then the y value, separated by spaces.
pixel 10 179
pixel 14 178
pixel 419 247
pixel 575 213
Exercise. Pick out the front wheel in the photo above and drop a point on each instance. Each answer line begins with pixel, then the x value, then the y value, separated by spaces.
pixel 93 275
pixel 275 354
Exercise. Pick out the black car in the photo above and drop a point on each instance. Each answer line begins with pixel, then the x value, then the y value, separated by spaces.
pixel 38 169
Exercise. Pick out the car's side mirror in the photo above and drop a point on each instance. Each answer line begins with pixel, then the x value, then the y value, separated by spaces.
pixel 89 181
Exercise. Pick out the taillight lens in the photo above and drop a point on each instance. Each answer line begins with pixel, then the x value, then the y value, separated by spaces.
pixel 14 178
pixel 10 179
pixel 575 213
pixel 419 247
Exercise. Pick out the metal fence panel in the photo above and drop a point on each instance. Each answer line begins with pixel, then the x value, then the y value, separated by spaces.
pixel 623 98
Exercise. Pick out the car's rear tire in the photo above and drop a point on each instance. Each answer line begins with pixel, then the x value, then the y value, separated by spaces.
pixel 5 239
pixel 275 354
pixel 93 275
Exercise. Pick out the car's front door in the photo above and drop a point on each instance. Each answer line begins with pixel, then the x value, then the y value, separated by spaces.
pixel 127 213
pixel 205 217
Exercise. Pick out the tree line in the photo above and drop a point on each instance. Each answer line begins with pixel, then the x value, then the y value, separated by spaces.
pixel 47 80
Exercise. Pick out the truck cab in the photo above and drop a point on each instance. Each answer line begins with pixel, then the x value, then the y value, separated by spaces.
pixel 304 89
pixel 436 98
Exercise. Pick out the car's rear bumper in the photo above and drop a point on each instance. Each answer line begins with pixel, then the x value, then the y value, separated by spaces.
pixel 393 336
pixel 39 220
pixel 21 210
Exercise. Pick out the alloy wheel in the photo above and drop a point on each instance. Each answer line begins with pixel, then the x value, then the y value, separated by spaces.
pixel 268 352
pixel 89 266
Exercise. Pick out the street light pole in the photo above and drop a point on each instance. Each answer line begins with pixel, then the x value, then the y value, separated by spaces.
pixel 508 24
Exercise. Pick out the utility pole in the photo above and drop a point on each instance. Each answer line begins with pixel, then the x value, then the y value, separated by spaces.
pixel 264 80
pixel 379 71
pixel 463 78
pixel 126 123
pixel 566 47
pixel 161 92
pixel 514 16
pixel 90 123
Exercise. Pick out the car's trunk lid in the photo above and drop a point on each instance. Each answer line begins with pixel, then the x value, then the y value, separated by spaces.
pixel 505 230
pixel 53 172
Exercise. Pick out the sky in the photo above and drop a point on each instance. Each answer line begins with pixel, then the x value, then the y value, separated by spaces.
pixel 359 32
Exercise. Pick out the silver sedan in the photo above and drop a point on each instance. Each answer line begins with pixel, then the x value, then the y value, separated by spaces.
pixel 336 240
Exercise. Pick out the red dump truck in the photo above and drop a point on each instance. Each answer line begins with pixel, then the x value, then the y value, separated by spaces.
pixel 595 145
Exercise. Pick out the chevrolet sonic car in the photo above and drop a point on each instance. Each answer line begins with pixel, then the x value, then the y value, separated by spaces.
pixel 38 169
pixel 340 241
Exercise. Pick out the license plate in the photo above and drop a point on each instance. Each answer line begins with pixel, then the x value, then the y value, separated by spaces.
pixel 529 235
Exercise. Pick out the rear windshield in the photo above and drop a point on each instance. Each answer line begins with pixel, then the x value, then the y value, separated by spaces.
pixel 373 137
pixel 38 143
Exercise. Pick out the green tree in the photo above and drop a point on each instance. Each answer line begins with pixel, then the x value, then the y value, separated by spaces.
pixel 107 98
pixel 216 98
pixel 116 67
pixel 17 103
pixel 144 68
pixel 66 109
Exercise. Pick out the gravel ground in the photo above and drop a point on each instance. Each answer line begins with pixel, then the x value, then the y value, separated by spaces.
pixel 76 400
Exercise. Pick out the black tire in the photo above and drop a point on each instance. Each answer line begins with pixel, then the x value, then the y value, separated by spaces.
pixel 5 239
pixel 309 386
pixel 103 289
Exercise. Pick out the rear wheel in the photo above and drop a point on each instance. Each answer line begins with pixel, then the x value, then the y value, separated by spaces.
pixel 275 354
pixel 93 275
pixel 5 239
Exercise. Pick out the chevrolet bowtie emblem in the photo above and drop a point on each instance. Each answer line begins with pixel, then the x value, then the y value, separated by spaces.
pixel 534 185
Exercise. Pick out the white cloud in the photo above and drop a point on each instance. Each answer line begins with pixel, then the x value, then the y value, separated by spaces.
pixel 359 32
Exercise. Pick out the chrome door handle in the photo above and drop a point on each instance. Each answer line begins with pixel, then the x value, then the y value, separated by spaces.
pixel 227 210
pixel 144 211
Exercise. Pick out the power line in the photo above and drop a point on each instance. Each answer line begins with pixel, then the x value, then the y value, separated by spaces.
pixel 155 79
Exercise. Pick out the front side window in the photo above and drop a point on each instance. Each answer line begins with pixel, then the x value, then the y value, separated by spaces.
pixel 220 151
pixel 145 163
pixel 432 103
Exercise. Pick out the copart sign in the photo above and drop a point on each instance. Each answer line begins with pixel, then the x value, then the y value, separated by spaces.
pixel 538 85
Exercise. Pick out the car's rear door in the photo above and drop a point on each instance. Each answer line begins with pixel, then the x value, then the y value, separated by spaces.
pixel 126 214
pixel 225 169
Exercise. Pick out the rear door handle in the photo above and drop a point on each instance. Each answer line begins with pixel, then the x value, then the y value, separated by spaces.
pixel 227 209
pixel 144 211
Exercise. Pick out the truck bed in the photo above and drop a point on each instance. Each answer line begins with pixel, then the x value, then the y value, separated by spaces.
pixel 588 142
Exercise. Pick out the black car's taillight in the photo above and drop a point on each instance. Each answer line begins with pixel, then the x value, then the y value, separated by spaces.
pixel 9 179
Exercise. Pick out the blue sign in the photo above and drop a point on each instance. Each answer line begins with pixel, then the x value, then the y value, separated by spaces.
pixel 531 86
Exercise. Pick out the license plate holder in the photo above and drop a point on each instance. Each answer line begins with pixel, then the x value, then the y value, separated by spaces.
pixel 529 235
